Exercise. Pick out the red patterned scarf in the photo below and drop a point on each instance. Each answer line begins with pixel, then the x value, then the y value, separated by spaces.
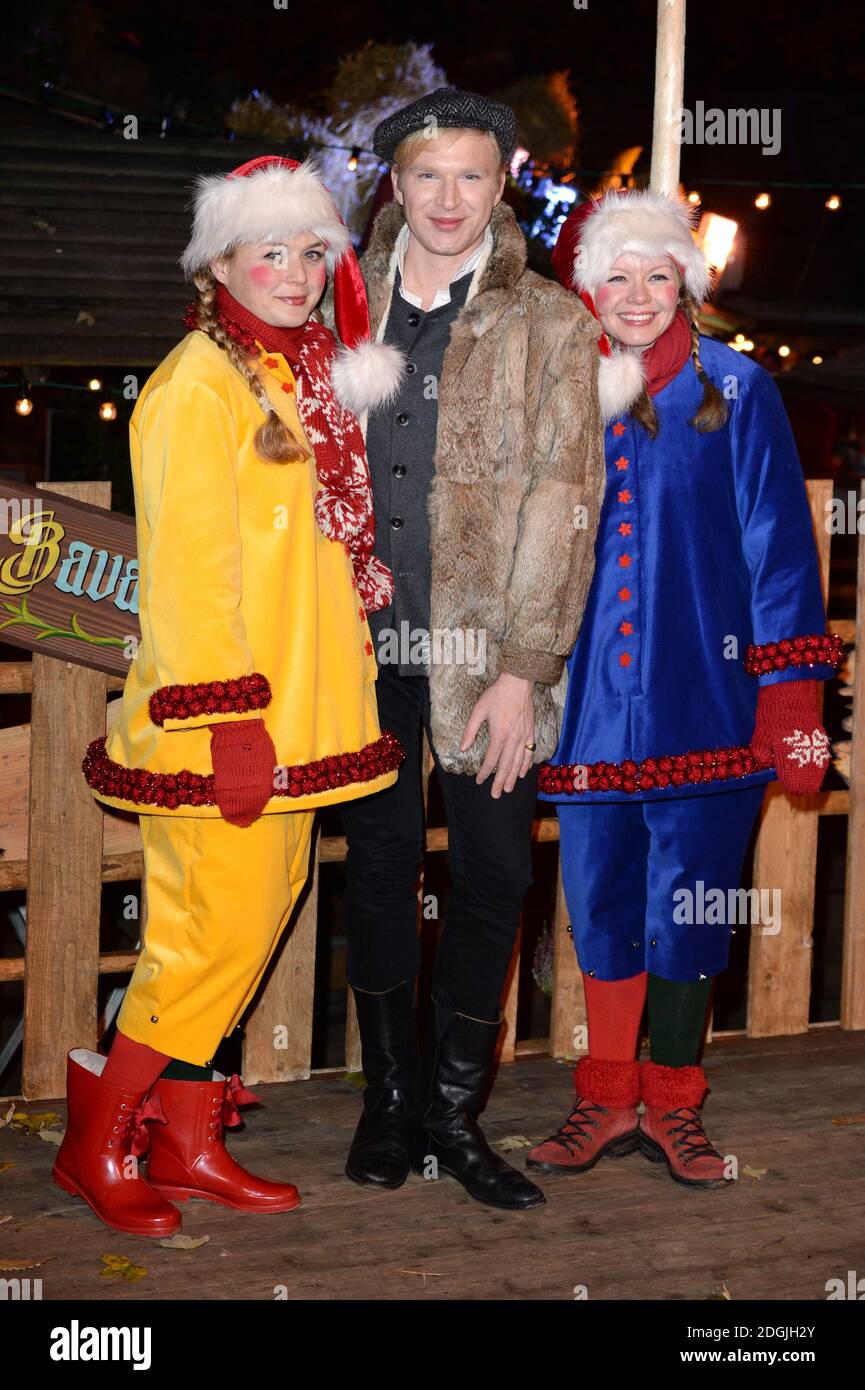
pixel 343 503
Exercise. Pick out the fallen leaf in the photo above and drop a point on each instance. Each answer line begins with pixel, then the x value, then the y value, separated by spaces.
pixel 849 1120
pixel 184 1242
pixel 4 1219
pixel 511 1142
pixel 754 1173
pixel 356 1078
pixel 43 226
pixel 52 1136
pixel 34 1124
pixel 121 1267
pixel 724 1295
pixel 4 1119
pixel 83 317
pixel 5 1166
pixel 7 1265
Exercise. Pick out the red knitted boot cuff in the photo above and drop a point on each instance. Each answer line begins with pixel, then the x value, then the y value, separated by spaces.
pixel 615 1085
pixel 668 1088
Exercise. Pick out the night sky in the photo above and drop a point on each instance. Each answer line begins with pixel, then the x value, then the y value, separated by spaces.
pixel 806 61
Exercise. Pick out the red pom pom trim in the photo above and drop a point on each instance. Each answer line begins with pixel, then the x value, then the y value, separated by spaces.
pixel 707 765
pixel 827 650
pixel 236 696
pixel 173 789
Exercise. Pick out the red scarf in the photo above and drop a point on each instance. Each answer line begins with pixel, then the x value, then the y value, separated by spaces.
pixel 667 355
pixel 343 502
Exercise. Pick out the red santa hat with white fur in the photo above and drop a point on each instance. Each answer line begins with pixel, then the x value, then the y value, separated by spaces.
pixel 270 199
pixel 594 235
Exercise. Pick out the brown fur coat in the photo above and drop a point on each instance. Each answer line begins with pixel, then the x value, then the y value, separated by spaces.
pixel 519 452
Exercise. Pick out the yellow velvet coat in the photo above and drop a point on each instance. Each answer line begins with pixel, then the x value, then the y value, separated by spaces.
pixel 236 578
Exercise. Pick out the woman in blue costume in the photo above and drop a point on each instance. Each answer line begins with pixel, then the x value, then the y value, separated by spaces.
pixel 693 682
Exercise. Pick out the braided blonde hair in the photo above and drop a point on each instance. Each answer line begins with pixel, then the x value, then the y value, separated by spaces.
pixel 273 440
pixel 712 412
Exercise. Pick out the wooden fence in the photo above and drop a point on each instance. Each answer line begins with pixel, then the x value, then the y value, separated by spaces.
pixel 61 846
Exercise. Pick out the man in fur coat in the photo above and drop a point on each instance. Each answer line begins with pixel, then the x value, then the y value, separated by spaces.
pixel 488 470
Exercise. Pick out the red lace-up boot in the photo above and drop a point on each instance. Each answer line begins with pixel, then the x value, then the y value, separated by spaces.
pixel 671 1130
pixel 602 1123
pixel 190 1158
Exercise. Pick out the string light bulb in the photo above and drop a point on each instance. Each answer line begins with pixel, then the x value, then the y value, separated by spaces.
pixel 783 350
pixel 24 405
pixel 108 411
pixel 94 384
pixel 762 201
pixel 351 166
pixel 694 198
pixel 817 360
pixel 833 203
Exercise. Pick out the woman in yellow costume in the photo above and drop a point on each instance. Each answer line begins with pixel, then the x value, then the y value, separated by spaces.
pixel 252 698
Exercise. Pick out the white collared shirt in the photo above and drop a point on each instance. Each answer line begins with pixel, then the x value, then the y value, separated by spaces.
pixel 441 296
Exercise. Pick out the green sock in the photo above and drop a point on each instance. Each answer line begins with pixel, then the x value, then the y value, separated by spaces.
pixel 185 1071
pixel 677 1012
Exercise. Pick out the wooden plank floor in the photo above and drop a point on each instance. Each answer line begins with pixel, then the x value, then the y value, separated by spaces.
pixel 624 1230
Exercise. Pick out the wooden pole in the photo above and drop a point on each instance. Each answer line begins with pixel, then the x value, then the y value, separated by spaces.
pixel 853 976
pixel 64 860
pixel 669 92
pixel 779 972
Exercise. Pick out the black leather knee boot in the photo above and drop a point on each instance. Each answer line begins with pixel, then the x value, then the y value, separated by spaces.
pixel 460 1067
pixel 386 1138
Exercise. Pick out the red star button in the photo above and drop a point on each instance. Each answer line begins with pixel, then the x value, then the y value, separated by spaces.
pixel 624 528
pixel 622 464
pixel 270 362
pixel 361 613
pixel 625 496
pixel 626 629
pixel 288 386
pixel 624 595
pixel 618 430
pixel 624 561
pixel 368 648
pixel 624 659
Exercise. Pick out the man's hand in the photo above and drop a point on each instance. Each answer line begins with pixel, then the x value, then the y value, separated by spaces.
pixel 507 707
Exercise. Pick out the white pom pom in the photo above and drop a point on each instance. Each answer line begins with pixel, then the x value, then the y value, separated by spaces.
pixel 620 381
pixel 367 375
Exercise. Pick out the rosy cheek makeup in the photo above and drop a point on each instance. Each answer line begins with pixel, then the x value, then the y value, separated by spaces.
pixel 666 294
pixel 263 276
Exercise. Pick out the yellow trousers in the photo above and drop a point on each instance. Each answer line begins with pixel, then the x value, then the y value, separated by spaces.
pixel 218 900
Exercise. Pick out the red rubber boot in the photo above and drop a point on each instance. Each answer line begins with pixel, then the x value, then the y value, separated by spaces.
pixel 106 1127
pixel 671 1130
pixel 190 1159
pixel 602 1123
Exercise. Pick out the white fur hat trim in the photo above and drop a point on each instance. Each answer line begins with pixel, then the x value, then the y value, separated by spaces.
pixel 269 205
pixel 645 224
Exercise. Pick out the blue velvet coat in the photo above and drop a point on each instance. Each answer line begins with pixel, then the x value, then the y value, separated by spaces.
pixel 705 545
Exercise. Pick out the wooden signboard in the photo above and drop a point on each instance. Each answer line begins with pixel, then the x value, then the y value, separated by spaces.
pixel 68 579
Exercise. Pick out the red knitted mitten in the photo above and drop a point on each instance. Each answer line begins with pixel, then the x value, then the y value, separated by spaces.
pixel 788 733
pixel 244 759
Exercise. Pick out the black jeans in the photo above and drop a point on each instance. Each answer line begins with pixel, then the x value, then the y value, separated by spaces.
pixel 490 862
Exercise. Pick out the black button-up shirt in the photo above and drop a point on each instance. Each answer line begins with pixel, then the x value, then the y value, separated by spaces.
pixel 400 442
